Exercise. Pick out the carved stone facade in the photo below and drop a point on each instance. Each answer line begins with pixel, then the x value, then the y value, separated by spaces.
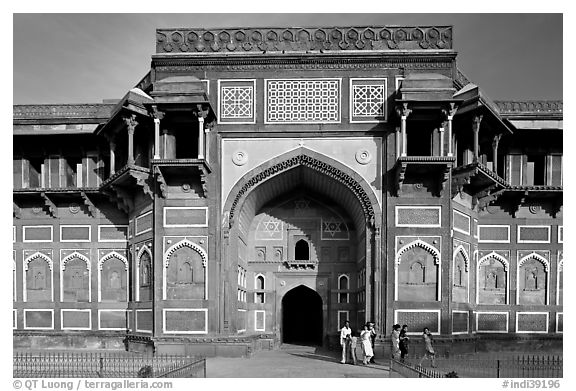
pixel 258 176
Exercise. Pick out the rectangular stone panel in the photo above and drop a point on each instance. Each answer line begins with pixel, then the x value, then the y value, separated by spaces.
pixel 461 222
pixel 527 322
pixel 143 223
pixel 560 322
pixel 418 216
pixel 492 322
pixel 143 320
pixel 368 100
pixel 236 101
pixel 75 319
pixel 185 217
pixel 112 233
pixel 185 321
pixel 38 319
pixel 241 320
pixel 37 233
pixel 494 233
pixel 75 233
pixel 259 320
pixel 459 322
pixel 112 320
pixel 534 234
pixel 417 320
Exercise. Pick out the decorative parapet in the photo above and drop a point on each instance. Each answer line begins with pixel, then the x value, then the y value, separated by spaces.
pixel 461 80
pixel 242 40
pixel 33 112
pixel 530 107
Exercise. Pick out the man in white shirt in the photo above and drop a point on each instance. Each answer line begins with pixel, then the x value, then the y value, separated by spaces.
pixel 345 334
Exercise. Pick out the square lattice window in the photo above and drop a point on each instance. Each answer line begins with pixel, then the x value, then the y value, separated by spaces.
pixel 368 100
pixel 303 101
pixel 236 101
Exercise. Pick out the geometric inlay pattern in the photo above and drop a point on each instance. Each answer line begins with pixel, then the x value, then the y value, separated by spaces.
pixel 492 321
pixel 269 229
pixel 289 101
pixel 416 321
pixel 368 100
pixel 334 229
pixel 406 216
pixel 237 102
pixel 532 322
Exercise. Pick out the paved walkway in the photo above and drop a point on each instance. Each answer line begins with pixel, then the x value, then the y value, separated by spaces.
pixel 290 361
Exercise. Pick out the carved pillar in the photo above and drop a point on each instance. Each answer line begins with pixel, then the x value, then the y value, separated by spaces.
pixel 441 131
pixel 495 143
pixel 398 142
pixel 131 126
pixel 403 112
pixel 201 146
pixel 112 157
pixel 447 125
pixel 476 129
pixel 158 115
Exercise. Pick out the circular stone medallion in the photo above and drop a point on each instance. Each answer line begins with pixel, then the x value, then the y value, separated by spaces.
pixel 239 158
pixel 363 156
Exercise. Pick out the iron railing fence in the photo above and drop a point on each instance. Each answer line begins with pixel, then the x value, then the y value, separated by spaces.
pixel 519 366
pixel 97 364
pixel 406 369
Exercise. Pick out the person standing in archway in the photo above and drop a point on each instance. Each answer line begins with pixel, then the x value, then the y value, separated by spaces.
pixel 345 334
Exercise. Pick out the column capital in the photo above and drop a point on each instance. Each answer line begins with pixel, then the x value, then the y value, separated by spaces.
pixel 496 140
pixel 403 111
pixel 201 111
pixel 130 122
pixel 157 114
pixel 476 120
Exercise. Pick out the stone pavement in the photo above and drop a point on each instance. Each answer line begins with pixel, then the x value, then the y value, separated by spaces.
pixel 291 361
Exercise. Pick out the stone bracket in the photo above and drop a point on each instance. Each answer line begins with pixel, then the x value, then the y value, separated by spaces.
pixel 400 175
pixel 16 210
pixel 161 181
pixel 52 209
pixel 142 180
pixel 92 211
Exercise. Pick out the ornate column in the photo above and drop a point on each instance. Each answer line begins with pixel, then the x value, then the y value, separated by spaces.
pixel 112 157
pixel 403 112
pixel 131 126
pixel 201 114
pixel 495 143
pixel 448 127
pixel 157 115
pixel 441 131
pixel 476 129
pixel 398 142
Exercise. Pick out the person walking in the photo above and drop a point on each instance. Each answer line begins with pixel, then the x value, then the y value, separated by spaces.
pixel 395 340
pixel 428 349
pixel 353 341
pixel 372 328
pixel 404 340
pixel 344 337
pixel 366 345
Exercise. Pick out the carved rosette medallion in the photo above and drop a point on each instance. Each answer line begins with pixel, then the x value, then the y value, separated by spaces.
pixel 36 209
pixel 239 158
pixel 363 156
pixel 74 208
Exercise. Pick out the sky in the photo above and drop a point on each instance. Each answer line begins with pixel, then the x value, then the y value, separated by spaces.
pixel 85 58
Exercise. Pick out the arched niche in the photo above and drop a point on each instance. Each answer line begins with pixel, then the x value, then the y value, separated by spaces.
pixel 417 272
pixel 492 279
pixel 185 272
pixel 75 278
pixel 38 278
pixel 533 280
pixel 460 276
pixel 144 274
pixel 113 278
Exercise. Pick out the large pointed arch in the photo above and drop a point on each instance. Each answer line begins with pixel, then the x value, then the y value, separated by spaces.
pixel 435 255
pixel 304 157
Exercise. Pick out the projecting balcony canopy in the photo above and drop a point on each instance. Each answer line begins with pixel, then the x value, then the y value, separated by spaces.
pixel 133 103
pixel 476 102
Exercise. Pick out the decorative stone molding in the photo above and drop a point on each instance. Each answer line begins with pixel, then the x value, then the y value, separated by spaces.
pixel 112 254
pixel 315 164
pixel 37 255
pixel 537 257
pixel 189 244
pixel 496 256
pixel 461 250
pixel 62 111
pixel 75 254
pixel 303 39
pixel 530 107
pixel 422 244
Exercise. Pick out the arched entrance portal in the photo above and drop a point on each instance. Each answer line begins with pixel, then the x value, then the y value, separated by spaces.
pixel 302 317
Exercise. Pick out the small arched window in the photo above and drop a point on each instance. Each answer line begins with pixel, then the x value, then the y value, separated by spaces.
pixel 302 251
pixel 260 282
pixel 417 273
pixel 259 296
pixel 343 285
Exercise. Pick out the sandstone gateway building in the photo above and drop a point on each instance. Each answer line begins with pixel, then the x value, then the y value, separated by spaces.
pixel 260 186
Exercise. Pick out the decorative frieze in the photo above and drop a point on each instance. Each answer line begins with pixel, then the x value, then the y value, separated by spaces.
pixel 303 39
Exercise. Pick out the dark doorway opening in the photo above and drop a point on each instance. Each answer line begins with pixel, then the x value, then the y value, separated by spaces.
pixel 302 317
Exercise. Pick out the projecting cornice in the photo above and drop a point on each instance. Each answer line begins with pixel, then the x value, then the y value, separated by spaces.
pixel 95 112
pixel 296 39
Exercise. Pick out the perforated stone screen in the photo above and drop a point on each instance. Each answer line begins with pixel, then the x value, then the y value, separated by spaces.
pixel 417 320
pixel 303 101
pixel 368 100
pixel 492 322
pixel 461 222
pixel 236 102
pixel 532 322
pixel 494 233
pixel 143 223
pixel 421 217
pixel 75 233
pixel 534 234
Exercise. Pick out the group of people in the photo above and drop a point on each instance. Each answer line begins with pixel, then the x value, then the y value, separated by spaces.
pixel 399 338
pixel 349 341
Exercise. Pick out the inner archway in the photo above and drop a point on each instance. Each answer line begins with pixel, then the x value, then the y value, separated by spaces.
pixel 302 317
